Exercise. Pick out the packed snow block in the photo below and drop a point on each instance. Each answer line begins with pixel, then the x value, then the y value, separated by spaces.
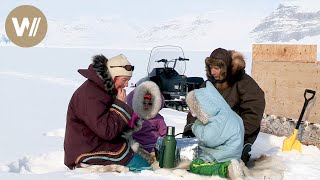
pixel 284 78
pixel 309 133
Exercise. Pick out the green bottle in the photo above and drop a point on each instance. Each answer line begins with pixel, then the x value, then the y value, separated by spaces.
pixel 168 154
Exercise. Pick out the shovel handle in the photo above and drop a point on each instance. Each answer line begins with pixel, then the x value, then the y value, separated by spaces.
pixel 310 92
pixel 306 101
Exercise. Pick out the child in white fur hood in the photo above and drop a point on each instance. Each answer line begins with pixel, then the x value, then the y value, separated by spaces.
pixel 146 100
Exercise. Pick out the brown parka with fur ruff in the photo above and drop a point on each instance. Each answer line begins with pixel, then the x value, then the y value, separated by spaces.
pixel 240 91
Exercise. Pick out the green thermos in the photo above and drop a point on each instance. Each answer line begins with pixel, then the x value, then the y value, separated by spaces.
pixel 168 149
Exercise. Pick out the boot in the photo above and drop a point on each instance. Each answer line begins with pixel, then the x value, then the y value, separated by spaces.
pixel 198 166
pixel 245 157
pixel 235 170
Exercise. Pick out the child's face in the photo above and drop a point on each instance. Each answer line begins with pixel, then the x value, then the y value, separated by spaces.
pixel 147 104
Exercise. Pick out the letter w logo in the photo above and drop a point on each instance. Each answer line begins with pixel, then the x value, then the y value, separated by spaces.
pixel 26 25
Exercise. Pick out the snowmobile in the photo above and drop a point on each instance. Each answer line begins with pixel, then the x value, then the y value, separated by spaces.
pixel 166 67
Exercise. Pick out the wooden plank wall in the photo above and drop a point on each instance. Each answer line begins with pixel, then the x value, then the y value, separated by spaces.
pixel 284 72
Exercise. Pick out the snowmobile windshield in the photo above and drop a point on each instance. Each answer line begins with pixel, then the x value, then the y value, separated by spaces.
pixel 167 57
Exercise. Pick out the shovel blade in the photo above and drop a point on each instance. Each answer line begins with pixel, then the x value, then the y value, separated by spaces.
pixel 297 146
pixel 291 143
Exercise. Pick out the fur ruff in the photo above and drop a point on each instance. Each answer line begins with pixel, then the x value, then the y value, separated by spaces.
pixel 135 146
pixel 238 62
pixel 128 135
pixel 99 65
pixel 150 157
pixel 101 168
pixel 193 104
pixel 137 100
pixel 119 168
pixel 222 86
pixel 264 167
pixel 235 170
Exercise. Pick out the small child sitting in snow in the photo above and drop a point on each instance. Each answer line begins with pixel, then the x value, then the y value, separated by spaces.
pixel 220 132
pixel 146 100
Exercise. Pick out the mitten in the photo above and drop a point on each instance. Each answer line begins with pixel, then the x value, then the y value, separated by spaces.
pixel 132 121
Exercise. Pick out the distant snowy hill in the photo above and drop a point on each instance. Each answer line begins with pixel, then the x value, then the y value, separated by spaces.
pixel 103 32
pixel 178 29
pixel 90 32
pixel 291 22
pixel 197 32
pixel 113 32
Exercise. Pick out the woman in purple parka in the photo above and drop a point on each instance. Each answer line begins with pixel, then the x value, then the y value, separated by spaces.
pixel 146 100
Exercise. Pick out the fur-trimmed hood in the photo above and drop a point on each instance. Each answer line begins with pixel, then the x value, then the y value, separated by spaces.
pixel 221 132
pixel 99 73
pixel 196 108
pixel 136 97
pixel 206 102
pixel 231 71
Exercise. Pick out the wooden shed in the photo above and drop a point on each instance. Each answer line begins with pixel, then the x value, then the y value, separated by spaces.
pixel 284 71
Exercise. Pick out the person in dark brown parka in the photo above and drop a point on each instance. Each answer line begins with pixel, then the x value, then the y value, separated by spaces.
pixel 98 115
pixel 225 69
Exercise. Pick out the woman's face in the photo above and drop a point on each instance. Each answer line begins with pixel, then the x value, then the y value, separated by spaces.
pixel 216 72
pixel 121 82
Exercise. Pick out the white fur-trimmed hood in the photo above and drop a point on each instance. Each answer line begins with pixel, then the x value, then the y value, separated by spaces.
pixel 136 97
pixel 194 106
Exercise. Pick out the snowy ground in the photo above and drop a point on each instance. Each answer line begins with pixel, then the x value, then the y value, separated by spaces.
pixel 36 85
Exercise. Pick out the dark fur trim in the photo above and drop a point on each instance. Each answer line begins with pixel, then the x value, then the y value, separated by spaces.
pixel 238 63
pixel 237 66
pixel 99 65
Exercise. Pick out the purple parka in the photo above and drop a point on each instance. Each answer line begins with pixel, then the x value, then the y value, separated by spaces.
pixel 153 125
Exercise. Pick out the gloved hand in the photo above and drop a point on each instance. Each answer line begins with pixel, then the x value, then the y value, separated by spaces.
pixel 134 125
pixel 132 121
